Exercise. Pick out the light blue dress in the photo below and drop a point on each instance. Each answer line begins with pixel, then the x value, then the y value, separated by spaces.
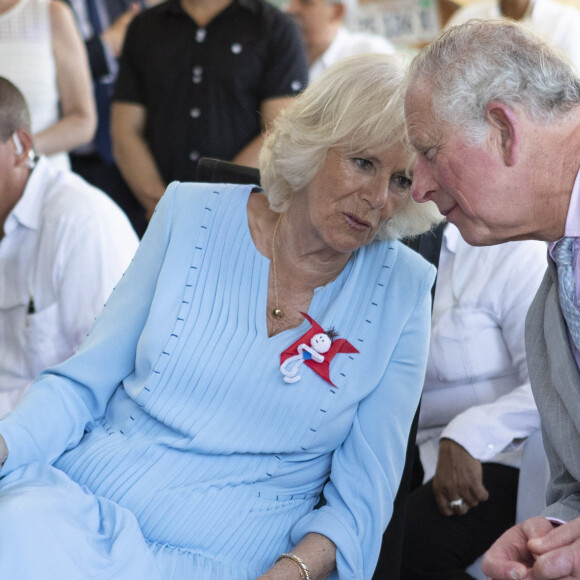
pixel 192 457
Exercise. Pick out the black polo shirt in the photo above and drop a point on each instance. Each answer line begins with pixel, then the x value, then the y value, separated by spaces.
pixel 203 87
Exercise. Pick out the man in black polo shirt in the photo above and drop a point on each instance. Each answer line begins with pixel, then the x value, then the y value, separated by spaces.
pixel 200 78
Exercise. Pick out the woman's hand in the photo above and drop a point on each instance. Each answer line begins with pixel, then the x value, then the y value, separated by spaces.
pixel 316 551
pixel 458 476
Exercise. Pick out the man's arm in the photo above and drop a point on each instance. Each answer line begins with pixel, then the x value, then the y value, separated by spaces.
pixel 477 435
pixel 269 110
pixel 114 36
pixel 133 156
pixel 458 475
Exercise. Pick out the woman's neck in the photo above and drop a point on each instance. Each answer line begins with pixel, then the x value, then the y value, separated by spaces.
pixel 308 263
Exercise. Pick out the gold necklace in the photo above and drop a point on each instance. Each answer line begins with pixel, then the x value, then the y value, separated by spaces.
pixel 276 312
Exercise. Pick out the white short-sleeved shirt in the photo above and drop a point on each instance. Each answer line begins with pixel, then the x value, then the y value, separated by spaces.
pixel 66 244
pixel 477 390
pixel 348 43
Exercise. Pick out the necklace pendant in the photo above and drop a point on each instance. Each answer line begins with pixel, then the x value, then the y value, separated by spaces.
pixel 277 313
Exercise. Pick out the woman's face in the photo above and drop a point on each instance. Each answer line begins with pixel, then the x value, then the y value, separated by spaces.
pixel 351 197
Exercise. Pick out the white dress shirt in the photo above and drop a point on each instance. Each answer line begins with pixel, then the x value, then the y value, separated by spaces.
pixel 557 23
pixel 477 390
pixel 348 43
pixel 66 244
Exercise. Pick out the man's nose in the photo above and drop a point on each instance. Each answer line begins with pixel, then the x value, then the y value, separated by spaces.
pixel 423 185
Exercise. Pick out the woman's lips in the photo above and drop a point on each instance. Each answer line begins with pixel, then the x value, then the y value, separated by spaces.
pixel 356 223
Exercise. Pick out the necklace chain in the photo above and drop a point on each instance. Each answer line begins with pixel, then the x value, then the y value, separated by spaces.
pixel 276 312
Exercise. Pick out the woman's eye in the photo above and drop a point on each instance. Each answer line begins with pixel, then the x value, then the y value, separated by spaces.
pixel 401 182
pixel 362 164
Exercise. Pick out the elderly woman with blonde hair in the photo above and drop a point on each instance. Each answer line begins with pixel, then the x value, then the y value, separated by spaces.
pixel 172 444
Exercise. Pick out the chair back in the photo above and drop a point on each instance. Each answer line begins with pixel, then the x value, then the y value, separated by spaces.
pixel 211 170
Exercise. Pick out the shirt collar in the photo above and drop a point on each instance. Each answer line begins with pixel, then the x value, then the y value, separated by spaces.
pixel 451 238
pixel 572 228
pixel 331 54
pixel 28 211
pixel 174 6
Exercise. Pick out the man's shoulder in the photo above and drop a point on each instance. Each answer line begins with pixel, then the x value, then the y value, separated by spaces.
pixel 72 202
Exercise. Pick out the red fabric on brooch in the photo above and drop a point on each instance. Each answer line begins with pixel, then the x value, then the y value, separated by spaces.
pixel 323 368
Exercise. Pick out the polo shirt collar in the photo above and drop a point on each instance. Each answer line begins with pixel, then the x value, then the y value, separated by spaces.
pixel 174 6
pixel 28 211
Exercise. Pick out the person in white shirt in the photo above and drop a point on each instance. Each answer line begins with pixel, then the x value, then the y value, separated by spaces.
pixel 477 407
pixel 555 22
pixel 63 246
pixel 325 36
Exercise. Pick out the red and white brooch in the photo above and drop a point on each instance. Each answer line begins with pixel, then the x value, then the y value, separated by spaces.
pixel 316 348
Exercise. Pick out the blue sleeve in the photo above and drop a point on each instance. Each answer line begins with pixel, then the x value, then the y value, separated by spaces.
pixel 66 400
pixel 367 468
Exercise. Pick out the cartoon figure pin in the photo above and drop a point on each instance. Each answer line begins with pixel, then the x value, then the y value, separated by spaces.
pixel 316 349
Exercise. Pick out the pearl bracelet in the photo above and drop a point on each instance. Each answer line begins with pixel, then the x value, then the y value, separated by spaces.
pixel 304 572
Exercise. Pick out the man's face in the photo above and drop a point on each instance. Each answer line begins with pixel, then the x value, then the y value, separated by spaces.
pixel 316 20
pixel 470 184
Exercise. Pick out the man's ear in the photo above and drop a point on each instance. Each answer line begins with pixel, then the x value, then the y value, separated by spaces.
pixel 338 12
pixel 504 123
pixel 22 145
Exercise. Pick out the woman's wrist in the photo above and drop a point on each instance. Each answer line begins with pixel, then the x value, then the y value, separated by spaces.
pixel 283 569
pixel 298 562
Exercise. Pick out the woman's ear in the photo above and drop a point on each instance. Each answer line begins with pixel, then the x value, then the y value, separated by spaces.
pixel 505 126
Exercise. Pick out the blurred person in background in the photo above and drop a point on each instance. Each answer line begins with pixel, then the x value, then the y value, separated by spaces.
pixel 63 246
pixel 200 78
pixel 325 36
pixel 556 22
pixel 42 53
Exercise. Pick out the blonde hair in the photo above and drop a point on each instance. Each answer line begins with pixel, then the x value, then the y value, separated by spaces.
pixel 356 105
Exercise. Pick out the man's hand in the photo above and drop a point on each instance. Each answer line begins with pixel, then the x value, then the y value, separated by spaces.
pixel 114 36
pixel 458 476
pixel 510 557
pixel 557 553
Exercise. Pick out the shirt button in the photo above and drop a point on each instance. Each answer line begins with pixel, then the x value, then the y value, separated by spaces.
pixel 195 113
pixel 196 74
pixel 236 48
pixel 194 155
pixel 296 86
pixel 200 35
pixel 490 447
